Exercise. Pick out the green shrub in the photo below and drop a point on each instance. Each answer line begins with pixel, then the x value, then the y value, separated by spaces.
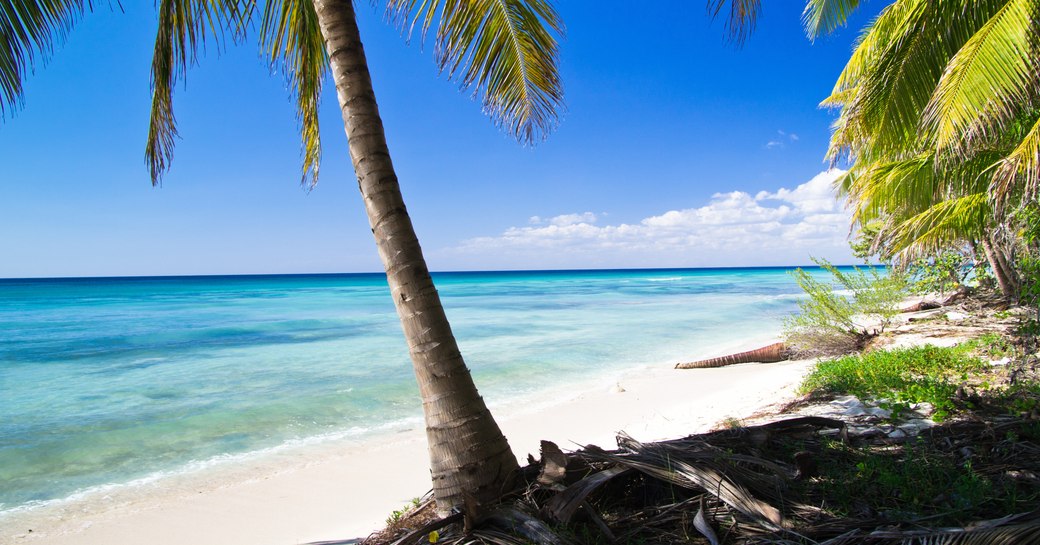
pixel 829 322
pixel 926 374
pixel 941 273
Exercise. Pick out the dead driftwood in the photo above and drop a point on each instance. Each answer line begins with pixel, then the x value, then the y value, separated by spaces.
pixel 776 351
pixel 919 306
pixel 767 354
pixel 741 486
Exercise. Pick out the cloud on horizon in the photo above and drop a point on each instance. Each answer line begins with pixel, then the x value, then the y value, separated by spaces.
pixel 781 227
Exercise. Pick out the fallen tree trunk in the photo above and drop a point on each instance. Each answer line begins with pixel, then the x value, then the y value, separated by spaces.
pixel 918 307
pixel 767 354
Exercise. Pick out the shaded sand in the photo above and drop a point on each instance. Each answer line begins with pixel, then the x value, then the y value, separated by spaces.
pixel 342 490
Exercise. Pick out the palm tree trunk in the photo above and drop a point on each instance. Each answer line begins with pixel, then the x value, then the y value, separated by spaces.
pixel 1005 277
pixel 767 354
pixel 469 456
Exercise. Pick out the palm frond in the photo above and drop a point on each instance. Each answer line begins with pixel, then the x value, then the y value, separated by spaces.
pixel 824 16
pixel 505 49
pixel 182 29
pixel 988 80
pixel 29 28
pixel 853 130
pixel 962 218
pixel 894 188
pixel 1019 172
pixel 743 14
pixel 874 38
pixel 291 37
pixel 897 66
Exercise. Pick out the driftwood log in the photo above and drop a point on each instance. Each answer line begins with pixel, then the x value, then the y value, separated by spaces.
pixel 918 307
pixel 767 354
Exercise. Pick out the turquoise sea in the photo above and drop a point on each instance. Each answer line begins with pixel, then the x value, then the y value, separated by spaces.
pixel 112 380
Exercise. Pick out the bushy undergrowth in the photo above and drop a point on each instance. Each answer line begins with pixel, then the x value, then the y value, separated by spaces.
pixel 829 322
pixel 925 374
pixel 902 482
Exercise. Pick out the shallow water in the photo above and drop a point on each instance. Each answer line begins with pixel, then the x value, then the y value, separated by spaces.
pixel 113 380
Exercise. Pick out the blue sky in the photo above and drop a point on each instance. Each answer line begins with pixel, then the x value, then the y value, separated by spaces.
pixel 677 149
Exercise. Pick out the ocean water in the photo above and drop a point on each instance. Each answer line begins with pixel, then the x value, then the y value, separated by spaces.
pixel 113 380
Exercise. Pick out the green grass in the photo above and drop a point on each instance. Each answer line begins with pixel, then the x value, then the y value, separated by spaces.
pixel 926 374
pixel 900 483
pixel 992 345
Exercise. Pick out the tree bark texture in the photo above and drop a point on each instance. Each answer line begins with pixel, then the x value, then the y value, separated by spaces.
pixel 767 354
pixel 468 453
pixel 999 264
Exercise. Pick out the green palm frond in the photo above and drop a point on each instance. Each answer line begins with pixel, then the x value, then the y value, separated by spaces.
pixel 824 16
pixel 988 81
pixel 859 82
pixel 505 49
pixel 1019 172
pixel 183 25
pixel 962 218
pixel 874 38
pixel 898 64
pixel 742 16
pixel 29 28
pixel 291 37
pixel 894 188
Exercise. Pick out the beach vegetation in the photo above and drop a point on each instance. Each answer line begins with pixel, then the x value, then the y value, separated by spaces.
pixel 940 126
pixel 940 273
pixel 899 378
pixel 504 51
pixel 841 315
pixel 902 481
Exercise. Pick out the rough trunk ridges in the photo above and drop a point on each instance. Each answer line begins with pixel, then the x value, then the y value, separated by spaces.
pixel 998 263
pixel 767 354
pixel 469 455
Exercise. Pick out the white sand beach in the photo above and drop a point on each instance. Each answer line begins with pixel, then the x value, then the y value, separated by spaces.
pixel 343 490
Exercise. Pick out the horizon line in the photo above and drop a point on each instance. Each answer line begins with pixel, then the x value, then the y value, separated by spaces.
pixel 433 273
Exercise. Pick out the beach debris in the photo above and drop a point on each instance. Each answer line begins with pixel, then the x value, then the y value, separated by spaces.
pixel 767 354
pixel 563 506
pixel 700 522
pixel 742 485
pixel 554 464
pixel 845 470
pixel 617 388
pixel 919 306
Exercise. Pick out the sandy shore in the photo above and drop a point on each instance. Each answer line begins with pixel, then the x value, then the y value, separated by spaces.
pixel 343 490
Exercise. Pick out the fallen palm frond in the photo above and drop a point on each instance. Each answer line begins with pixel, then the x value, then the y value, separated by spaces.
pixel 804 480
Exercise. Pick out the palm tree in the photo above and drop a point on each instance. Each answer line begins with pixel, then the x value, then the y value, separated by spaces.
pixel 939 118
pixel 506 49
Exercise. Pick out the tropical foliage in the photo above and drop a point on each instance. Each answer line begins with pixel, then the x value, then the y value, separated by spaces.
pixel 939 120
pixel 840 316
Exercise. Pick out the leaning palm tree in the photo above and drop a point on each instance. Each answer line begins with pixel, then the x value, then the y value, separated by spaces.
pixel 506 49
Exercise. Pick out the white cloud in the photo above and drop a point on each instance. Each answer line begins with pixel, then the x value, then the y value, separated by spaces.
pixel 780 227
pixel 779 142
pixel 564 220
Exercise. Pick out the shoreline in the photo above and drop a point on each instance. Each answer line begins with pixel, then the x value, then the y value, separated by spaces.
pixel 345 488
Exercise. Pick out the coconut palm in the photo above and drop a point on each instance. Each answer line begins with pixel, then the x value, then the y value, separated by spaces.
pixel 505 49
pixel 939 118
